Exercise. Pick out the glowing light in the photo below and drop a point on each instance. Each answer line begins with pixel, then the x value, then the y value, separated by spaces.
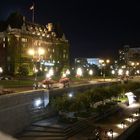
pixel 51 72
pixel 130 119
pixel 134 105
pixel 90 72
pixel 63 75
pixel 101 61
pixel 113 72
pixel 136 115
pixel 138 72
pixel 131 97
pixel 79 72
pixel 132 64
pixel 127 72
pixel 41 51
pixel 48 76
pixel 38 102
pixel 120 72
pixel 122 126
pixel 123 67
pixel 46 69
pixel 35 69
pixel 31 52
pixel 1 70
pixel 70 94
pixel 114 134
pixel 107 61
pixel 44 86
pixel 67 72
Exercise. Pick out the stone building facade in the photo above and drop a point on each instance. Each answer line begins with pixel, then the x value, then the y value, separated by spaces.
pixel 16 40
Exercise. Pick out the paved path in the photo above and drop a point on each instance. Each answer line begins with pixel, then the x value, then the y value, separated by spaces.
pixel 113 122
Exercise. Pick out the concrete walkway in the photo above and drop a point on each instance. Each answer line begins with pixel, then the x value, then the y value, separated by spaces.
pixel 47 127
pixel 113 122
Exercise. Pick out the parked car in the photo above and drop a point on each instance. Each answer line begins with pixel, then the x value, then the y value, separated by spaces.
pixel 47 83
pixel 65 81
pixel 6 78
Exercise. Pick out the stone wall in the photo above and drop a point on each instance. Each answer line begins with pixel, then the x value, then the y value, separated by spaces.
pixel 19 110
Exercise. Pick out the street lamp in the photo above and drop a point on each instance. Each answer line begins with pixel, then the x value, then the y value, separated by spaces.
pixel 1 70
pixel 37 55
pixel 113 72
pixel 90 72
pixel 120 72
pixel 110 133
pixel 103 64
pixel 79 72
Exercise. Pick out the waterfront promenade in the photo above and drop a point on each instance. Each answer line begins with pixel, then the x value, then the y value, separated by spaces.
pixel 119 122
pixel 110 122
pixel 126 114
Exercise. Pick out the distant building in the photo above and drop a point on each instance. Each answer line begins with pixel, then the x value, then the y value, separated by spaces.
pixel 17 36
pixel 86 62
pixel 127 55
pixel 129 60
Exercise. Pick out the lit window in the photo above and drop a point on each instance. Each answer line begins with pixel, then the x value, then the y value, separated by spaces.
pixel 38 33
pixel 3 45
pixel 48 36
pixel 24 39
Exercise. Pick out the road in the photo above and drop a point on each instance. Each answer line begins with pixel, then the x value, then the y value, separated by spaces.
pixel 72 84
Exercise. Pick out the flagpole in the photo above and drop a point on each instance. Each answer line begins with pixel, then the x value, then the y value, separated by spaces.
pixel 33 13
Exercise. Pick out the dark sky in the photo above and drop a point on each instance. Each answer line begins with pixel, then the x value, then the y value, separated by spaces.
pixel 95 28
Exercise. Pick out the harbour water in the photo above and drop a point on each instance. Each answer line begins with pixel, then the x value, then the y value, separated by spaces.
pixel 135 135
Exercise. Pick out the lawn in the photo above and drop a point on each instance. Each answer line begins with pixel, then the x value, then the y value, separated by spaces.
pixel 15 83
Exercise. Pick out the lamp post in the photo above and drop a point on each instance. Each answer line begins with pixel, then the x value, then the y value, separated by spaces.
pixel 1 70
pixel 90 73
pixel 36 57
pixel 103 64
pixel 79 72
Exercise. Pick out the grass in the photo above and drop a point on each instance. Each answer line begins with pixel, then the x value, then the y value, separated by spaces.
pixel 15 83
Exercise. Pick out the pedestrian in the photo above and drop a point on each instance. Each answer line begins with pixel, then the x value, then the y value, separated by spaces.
pixel 105 132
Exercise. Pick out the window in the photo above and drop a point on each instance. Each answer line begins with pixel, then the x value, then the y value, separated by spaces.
pixel 24 39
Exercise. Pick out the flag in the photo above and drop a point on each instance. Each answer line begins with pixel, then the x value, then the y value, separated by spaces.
pixel 32 7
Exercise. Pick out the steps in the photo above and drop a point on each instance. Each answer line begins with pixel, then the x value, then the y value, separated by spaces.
pixel 46 131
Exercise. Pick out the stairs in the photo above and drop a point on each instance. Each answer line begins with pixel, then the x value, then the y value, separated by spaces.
pixel 46 130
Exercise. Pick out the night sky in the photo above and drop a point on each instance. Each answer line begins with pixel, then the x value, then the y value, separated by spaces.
pixel 94 28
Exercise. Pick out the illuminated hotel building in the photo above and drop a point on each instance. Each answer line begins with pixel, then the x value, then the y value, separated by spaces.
pixel 17 36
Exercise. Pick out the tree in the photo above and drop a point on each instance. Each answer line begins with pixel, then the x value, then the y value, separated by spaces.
pixel 23 70
pixel 15 20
